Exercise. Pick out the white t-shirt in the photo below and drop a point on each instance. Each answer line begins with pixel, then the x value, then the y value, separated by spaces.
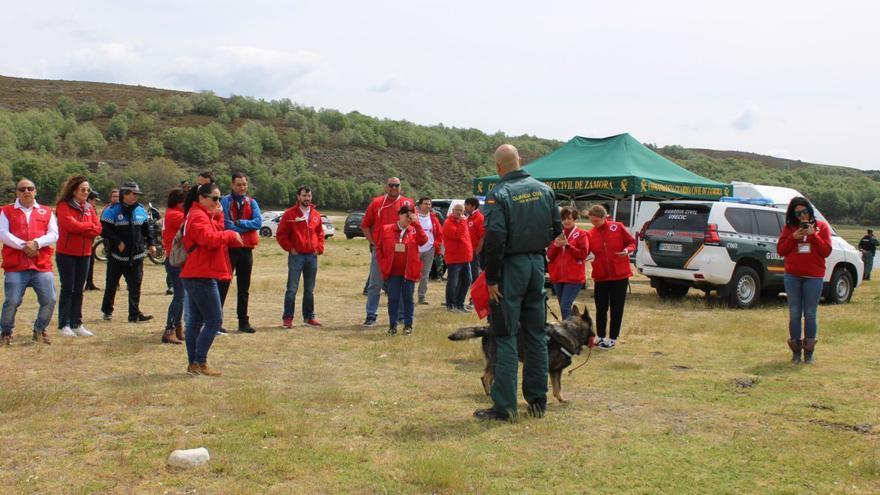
pixel 428 227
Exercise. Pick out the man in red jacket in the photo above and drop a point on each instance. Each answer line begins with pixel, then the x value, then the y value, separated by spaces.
pixel 27 230
pixel 382 211
pixel 241 214
pixel 301 234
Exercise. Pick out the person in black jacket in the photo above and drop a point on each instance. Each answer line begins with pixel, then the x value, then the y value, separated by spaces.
pixel 125 228
pixel 868 247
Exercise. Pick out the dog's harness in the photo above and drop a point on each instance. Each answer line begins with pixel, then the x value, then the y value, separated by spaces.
pixel 562 344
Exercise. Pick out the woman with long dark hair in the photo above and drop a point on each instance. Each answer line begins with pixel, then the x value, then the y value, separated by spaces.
pixel 78 225
pixel 206 265
pixel 805 242
pixel 173 333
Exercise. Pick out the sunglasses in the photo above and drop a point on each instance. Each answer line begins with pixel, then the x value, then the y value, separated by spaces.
pixel 27 189
pixel 215 199
pixel 394 185
pixel 801 213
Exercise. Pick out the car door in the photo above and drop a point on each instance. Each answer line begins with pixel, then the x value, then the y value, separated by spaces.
pixel 769 228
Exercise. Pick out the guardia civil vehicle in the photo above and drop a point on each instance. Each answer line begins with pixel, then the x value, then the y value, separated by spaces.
pixel 729 247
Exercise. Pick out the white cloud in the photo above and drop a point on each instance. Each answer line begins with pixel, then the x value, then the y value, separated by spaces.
pixel 747 119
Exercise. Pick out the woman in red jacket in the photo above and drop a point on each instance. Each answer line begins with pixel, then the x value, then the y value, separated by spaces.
pixel 611 244
pixel 173 333
pixel 458 256
pixel 207 263
pixel 804 243
pixel 78 225
pixel 567 254
pixel 397 251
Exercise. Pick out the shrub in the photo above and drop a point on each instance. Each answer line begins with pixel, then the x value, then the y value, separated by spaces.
pixel 207 103
pixel 143 124
pixel 224 139
pixel 110 109
pixel 85 140
pixel 194 145
pixel 66 106
pixel 333 119
pixel 155 148
pixel 177 105
pixel 118 128
pixel 253 139
pixel 133 149
pixel 88 111
pixel 295 119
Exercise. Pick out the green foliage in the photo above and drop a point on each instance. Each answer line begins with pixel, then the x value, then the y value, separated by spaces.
pixel 253 139
pixel 133 150
pixel 66 106
pixel 252 108
pixel 295 119
pixel 207 103
pixel 224 139
pixel 35 130
pixel 118 128
pixel 194 145
pixel 177 105
pixel 155 177
pixel 110 109
pixel 142 124
pixel 85 140
pixel 333 119
pixel 88 111
pixel 154 148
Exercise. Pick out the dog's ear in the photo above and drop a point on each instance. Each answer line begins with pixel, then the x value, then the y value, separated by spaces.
pixel 575 311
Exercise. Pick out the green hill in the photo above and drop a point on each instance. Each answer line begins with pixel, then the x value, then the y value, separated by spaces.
pixel 50 129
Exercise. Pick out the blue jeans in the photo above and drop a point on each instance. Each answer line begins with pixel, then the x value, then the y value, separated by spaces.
pixel 374 286
pixel 458 281
pixel 305 265
pixel 14 284
pixel 175 307
pixel 400 291
pixel 566 293
pixel 803 300
pixel 204 317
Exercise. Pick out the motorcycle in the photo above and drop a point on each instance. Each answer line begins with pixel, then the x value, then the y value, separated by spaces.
pixel 154 224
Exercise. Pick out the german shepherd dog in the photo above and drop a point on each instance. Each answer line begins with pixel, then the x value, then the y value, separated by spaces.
pixel 567 338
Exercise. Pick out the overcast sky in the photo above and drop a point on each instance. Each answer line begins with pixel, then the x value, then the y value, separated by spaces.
pixel 796 79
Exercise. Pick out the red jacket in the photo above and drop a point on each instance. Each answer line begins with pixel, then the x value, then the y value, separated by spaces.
pixel 457 239
pixel 389 236
pixel 170 225
pixel 567 263
pixel 210 258
pixel 14 260
pixel 476 228
pixel 303 235
pixel 77 228
pixel 605 242
pixel 805 264
pixel 383 212
pixel 251 238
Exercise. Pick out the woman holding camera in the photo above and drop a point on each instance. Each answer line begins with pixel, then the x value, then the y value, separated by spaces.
pixel 397 251
pixel 804 243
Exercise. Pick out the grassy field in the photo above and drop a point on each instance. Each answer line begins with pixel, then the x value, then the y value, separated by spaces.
pixel 695 399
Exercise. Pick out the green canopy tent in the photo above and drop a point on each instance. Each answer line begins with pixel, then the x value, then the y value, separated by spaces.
pixel 614 168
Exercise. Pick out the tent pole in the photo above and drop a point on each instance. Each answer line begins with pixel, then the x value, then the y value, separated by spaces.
pixel 632 213
pixel 614 211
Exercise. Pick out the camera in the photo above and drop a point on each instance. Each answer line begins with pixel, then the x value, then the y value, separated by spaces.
pixel 805 225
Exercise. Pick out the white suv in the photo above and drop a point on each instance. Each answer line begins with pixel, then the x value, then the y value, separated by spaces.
pixel 730 247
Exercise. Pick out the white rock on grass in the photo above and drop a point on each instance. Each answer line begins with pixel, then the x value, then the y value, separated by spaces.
pixel 186 459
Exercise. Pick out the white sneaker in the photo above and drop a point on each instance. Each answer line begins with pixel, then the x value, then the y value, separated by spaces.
pixel 67 332
pixel 81 331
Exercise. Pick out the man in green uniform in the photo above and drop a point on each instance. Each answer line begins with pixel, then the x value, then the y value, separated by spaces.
pixel 521 221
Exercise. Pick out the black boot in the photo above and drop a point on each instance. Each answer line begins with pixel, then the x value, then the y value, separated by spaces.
pixel 244 326
pixel 537 408
pixel 809 345
pixel 490 414
pixel 392 329
pixel 795 346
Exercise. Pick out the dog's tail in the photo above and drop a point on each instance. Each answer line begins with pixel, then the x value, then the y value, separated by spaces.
pixel 469 333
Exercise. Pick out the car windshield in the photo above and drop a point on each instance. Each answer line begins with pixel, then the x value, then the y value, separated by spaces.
pixel 681 218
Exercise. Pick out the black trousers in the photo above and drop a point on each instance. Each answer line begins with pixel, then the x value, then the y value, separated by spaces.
pixel 242 264
pixel 134 275
pixel 611 293
pixel 72 271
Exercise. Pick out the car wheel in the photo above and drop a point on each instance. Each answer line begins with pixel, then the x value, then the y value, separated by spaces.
pixel 266 232
pixel 745 288
pixel 349 236
pixel 840 289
